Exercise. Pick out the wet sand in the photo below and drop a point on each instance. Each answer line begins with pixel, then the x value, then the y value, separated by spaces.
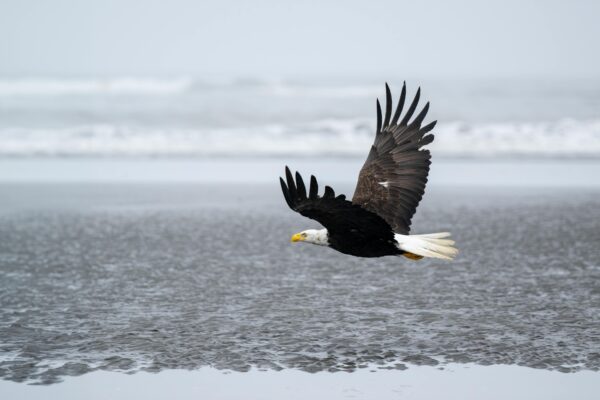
pixel 154 277
pixel 109 275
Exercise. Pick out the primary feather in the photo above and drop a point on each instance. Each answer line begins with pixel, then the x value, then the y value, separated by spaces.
pixel 397 159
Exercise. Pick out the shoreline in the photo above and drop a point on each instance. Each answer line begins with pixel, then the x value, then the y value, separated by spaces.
pixel 538 173
pixel 454 381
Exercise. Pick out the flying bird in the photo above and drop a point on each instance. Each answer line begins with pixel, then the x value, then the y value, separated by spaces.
pixel 390 186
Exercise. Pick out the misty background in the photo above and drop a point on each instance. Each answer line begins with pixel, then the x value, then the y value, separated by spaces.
pixel 268 38
pixel 89 79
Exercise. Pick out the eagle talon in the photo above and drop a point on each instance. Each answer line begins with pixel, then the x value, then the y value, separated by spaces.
pixel 412 256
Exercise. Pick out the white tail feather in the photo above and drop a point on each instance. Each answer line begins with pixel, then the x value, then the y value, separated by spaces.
pixel 439 235
pixel 429 245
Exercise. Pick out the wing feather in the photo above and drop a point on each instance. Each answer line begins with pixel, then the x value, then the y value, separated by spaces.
pixel 301 189
pixel 419 118
pixel 336 214
pixel 388 106
pixel 290 183
pixel 392 181
pixel 378 117
pixel 286 192
pixel 411 109
pixel 400 105
pixel 329 193
pixel 314 188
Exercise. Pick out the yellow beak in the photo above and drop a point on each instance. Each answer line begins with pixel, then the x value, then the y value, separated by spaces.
pixel 297 238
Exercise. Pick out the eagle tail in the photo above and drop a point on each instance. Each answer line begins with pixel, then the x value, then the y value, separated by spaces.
pixel 433 245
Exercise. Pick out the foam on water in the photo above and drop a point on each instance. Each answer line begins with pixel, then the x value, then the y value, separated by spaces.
pixel 185 116
pixel 563 138
pixel 114 86
pixel 179 85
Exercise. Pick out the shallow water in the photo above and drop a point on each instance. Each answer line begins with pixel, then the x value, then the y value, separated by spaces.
pixel 452 382
pixel 153 277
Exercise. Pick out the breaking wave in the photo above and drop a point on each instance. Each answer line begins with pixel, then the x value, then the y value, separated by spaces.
pixel 52 87
pixel 180 85
pixel 563 138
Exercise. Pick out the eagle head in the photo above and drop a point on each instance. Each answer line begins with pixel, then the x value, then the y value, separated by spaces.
pixel 314 236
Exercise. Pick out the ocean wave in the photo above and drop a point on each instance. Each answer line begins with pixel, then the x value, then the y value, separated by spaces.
pixel 113 86
pixel 162 86
pixel 353 137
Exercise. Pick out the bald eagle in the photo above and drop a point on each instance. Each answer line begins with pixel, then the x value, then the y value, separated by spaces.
pixel 390 186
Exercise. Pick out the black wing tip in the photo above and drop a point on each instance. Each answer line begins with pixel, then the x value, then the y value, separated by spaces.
pixel 288 174
pixel 329 192
pixel 388 106
pixel 427 139
pixel 389 120
pixel 378 117
pixel 420 117
pixel 417 95
pixel 314 188
pixel 290 182
pixel 400 105
pixel 313 181
pixel 286 193
pixel 300 187
pixel 412 108
pixel 284 187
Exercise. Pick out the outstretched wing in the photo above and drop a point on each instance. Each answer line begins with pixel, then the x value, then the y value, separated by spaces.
pixel 336 214
pixel 392 181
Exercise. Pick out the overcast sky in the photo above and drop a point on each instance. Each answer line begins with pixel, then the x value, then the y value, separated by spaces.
pixel 279 38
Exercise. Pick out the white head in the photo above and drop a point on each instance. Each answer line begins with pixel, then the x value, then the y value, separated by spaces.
pixel 314 236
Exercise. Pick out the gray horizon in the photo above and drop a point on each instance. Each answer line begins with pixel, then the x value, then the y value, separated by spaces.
pixel 461 39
